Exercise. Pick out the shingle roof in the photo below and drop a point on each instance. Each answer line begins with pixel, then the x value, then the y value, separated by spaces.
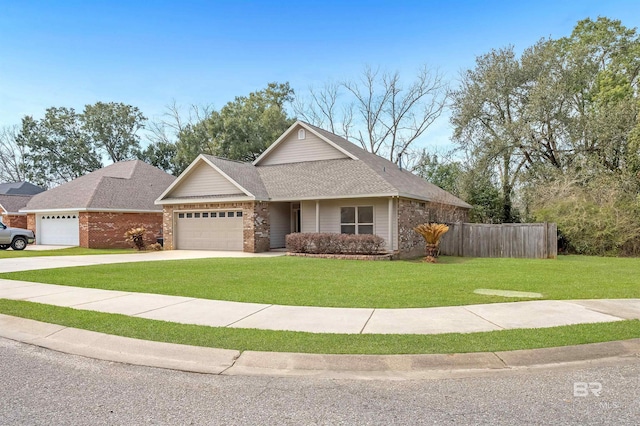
pixel 13 203
pixel 245 174
pixel 19 188
pixel 402 180
pixel 126 185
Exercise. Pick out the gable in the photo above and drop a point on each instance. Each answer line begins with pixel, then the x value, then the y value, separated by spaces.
pixel 294 150
pixel 204 180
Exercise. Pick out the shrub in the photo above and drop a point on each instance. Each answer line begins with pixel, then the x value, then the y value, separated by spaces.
pixel 135 237
pixel 154 247
pixel 327 243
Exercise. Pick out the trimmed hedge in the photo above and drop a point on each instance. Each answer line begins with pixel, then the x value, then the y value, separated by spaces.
pixel 326 243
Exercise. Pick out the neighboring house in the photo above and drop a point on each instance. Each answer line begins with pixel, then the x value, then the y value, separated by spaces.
pixel 13 197
pixel 95 210
pixel 309 180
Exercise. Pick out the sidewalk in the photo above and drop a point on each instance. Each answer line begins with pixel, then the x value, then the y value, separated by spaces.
pixel 216 313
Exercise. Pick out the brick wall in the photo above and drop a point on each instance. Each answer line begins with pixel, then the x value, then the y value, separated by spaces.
pixel 257 228
pixel 106 229
pixel 412 213
pixel 255 223
pixel 31 223
pixel 15 221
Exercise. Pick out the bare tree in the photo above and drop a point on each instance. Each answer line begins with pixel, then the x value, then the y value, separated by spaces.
pixel 12 162
pixel 174 120
pixel 379 110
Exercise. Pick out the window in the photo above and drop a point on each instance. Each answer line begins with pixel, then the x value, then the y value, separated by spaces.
pixel 230 214
pixel 301 134
pixel 189 215
pixel 356 220
pixel 214 214
pixel 205 214
pixel 238 214
pixel 180 215
pixel 196 215
pixel 221 214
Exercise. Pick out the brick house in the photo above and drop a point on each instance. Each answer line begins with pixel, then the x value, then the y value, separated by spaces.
pixel 309 180
pixel 95 210
pixel 13 197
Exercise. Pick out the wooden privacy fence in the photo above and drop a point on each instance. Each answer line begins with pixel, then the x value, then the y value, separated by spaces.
pixel 530 240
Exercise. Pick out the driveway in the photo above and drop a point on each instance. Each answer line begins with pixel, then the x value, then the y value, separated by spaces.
pixel 49 262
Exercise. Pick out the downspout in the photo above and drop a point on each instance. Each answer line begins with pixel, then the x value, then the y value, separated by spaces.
pixel 317 216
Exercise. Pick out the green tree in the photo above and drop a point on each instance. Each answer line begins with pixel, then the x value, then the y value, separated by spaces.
pixel 112 129
pixel 64 144
pixel 160 154
pixel 444 174
pixel 241 130
pixel 57 149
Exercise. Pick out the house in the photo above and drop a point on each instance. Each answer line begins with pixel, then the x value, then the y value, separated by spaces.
pixel 95 210
pixel 13 197
pixel 309 180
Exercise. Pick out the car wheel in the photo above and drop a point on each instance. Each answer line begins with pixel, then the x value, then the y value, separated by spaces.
pixel 18 243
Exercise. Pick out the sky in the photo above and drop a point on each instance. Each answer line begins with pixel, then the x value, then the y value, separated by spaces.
pixel 152 53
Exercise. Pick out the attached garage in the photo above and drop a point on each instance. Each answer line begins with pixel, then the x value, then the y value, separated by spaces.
pixel 58 228
pixel 209 230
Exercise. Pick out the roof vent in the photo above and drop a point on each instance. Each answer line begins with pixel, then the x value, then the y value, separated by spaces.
pixel 301 134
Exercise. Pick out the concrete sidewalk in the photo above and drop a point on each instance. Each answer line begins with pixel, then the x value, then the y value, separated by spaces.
pixel 216 313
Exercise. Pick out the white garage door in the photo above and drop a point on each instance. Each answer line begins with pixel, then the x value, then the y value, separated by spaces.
pixel 209 230
pixel 61 229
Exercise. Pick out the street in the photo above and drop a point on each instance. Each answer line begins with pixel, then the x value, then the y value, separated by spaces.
pixel 39 386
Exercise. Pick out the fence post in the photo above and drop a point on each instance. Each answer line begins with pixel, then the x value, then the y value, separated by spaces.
pixel 460 238
pixel 545 252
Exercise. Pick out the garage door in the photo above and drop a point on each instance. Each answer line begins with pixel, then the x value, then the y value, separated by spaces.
pixel 209 230
pixel 60 229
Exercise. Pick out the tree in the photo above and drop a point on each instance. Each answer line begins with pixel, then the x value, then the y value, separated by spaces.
pixel 244 128
pixel 64 145
pixel 444 174
pixel 380 111
pixel 487 114
pixel 159 154
pixel 56 148
pixel 12 161
pixel 112 128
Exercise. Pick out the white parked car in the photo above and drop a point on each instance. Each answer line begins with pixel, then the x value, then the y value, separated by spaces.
pixel 16 238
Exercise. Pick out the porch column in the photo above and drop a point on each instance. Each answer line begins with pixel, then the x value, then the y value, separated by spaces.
pixel 317 215
pixel 390 240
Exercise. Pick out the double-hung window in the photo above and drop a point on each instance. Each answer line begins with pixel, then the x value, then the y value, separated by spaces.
pixel 356 220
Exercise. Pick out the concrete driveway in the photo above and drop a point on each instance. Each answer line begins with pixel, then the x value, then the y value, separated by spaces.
pixel 49 262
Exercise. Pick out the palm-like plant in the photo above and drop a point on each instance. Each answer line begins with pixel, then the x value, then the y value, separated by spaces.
pixel 432 232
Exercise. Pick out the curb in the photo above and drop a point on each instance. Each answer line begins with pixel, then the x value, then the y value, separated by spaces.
pixel 196 359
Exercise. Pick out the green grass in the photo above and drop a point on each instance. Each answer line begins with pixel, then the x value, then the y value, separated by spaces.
pixel 72 251
pixel 287 341
pixel 343 283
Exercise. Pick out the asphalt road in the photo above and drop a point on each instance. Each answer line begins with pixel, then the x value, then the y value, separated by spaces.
pixel 39 386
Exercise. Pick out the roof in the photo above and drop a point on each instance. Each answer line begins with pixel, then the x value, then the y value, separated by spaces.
pixel 13 203
pixel 363 174
pixel 127 185
pixel 19 188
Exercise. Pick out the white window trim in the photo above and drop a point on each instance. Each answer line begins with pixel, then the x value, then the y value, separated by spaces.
pixel 356 223
pixel 302 134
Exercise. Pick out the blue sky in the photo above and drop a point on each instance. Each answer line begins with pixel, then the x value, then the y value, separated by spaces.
pixel 148 53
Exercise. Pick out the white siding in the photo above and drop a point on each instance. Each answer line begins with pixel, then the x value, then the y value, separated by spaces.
pixel 330 216
pixel 294 150
pixel 279 223
pixel 204 180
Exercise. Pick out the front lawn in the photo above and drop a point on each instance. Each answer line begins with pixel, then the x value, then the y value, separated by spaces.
pixel 290 341
pixel 343 283
pixel 72 251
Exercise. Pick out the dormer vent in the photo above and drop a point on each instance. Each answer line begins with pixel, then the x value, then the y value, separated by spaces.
pixel 301 134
